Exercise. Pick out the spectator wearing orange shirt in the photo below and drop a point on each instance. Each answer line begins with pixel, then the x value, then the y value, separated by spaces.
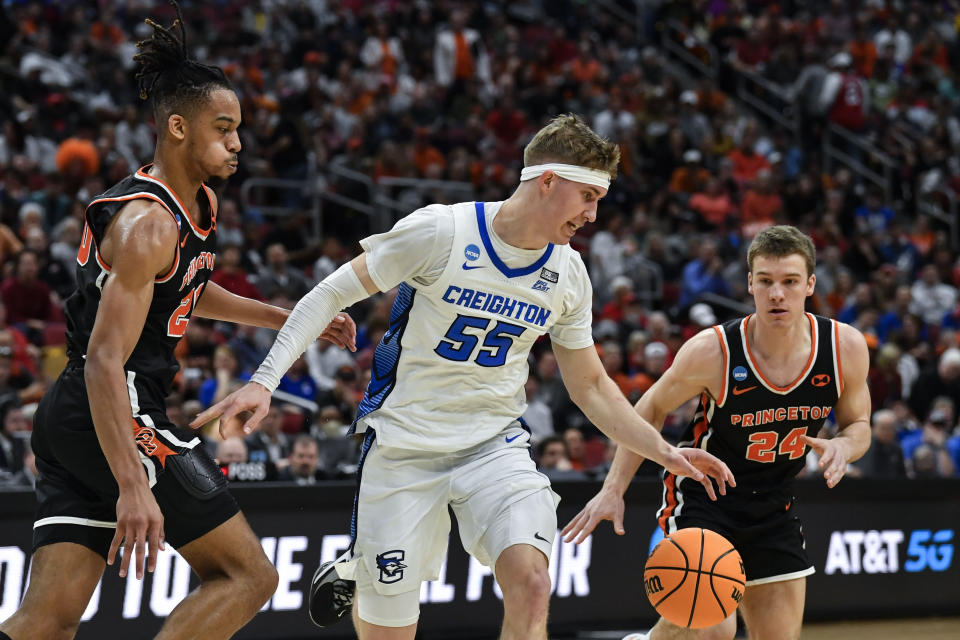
pixel 713 204
pixel 426 157
pixel 691 177
pixel 761 205
pixel 747 163
pixel 863 51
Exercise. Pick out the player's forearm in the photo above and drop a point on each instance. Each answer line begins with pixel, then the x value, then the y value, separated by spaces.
pixel 624 467
pixel 626 462
pixel 856 437
pixel 216 303
pixel 605 406
pixel 112 420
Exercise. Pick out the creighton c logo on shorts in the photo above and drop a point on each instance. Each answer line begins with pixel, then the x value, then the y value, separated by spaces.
pixel 391 566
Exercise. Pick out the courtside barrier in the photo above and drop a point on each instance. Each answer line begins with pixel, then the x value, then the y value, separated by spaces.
pixel 881 549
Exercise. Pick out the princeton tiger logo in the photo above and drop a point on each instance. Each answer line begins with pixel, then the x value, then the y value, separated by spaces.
pixel 820 380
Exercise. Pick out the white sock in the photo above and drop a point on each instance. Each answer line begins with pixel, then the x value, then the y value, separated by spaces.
pixel 636 636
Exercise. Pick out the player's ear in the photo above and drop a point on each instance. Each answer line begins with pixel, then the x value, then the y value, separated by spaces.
pixel 750 282
pixel 177 126
pixel 811 282
pixel 547 181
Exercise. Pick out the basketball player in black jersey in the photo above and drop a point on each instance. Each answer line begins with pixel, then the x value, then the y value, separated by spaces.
pixel 766 384
pixel 112 467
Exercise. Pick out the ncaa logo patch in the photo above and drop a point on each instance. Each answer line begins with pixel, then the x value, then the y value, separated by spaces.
pixel 471 252
pixel 740 374
pixel 391 566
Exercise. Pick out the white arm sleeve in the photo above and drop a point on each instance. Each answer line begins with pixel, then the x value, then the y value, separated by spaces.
pixel 308 319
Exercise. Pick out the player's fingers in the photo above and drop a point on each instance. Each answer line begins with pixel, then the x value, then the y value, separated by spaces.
pixel 163 540
pixel 115 544
pixel 708 485
pixel 138 545
pixel 618 523
pixel 570 525
pixel 127 552
pixel 253 421
pixel 575 526
pixel 209 414
pixel 225 420
pixel 153 540
pixel 814 443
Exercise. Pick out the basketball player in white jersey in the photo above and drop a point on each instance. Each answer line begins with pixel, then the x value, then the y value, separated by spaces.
pixel 478 284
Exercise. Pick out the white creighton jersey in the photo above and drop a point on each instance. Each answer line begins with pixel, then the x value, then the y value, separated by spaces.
pixel 450 371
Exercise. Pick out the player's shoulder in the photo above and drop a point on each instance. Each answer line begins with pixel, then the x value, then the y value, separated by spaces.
pixel 852 346
pixel 144 223
pixel 704 346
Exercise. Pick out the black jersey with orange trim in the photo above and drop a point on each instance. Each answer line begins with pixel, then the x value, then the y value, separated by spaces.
pixel 754 426
pixel 175 293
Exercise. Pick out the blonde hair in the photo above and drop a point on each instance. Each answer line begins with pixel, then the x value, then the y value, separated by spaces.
pixel 781 241
pixel 567 139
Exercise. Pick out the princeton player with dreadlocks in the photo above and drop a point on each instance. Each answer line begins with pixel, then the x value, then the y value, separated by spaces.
pixel 112 467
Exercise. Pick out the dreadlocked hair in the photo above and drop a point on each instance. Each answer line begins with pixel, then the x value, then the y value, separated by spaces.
pixel 167 75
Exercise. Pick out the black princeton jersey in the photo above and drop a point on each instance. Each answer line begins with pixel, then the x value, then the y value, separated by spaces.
pixel 175 294
pixel 755 426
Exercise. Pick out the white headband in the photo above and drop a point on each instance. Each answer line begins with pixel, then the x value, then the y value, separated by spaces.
pixel 596 177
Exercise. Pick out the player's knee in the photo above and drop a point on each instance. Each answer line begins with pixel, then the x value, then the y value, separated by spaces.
pixel 265 583
pixel 532 588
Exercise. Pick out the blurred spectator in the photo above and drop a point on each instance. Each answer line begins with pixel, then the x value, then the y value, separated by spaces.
pixel 304 458
pixel 269 443
pixel 227 377
pixel 554 461
pixel 844 96
pixel 704 274
pixel 230 451
pixel 943 380
pixel 691 177
pixel 537 415
pixel 277 275
pixel 931 298
pixel 323 360
pixel 713 204
pixel 28 300
pixel 230 275
pixel 297 381
pixel 459 55
pixel 14 437
pixel 762 205
pixel 884 458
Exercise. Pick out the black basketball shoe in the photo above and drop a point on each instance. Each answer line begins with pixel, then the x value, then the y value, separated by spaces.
pixel 331 597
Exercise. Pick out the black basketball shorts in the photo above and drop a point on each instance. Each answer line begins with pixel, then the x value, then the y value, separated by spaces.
pixel 762 526
pixel 76 491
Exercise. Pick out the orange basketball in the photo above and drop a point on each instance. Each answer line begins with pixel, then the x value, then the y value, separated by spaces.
pixel 694 578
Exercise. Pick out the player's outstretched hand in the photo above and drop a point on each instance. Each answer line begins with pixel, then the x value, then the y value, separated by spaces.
pixel 606 505
pixel 701 466
pixel 139 524
pixel 833 457
pixel 252 397
pixel 342 331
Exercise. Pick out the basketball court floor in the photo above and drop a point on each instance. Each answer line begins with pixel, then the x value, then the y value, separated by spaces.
pixel 913 629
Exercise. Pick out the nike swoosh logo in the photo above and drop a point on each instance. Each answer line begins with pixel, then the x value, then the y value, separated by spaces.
pixel 540 537
pixel 467 267
pixel 737 390
pixel 509 439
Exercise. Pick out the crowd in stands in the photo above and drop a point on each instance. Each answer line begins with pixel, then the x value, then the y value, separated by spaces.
pixel 453 91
